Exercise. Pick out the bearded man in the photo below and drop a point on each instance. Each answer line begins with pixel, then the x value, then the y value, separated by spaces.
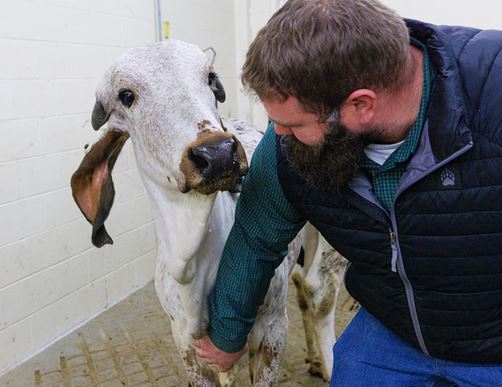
pixel 386 135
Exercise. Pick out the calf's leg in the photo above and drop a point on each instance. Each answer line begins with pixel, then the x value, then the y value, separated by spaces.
pixel 318 284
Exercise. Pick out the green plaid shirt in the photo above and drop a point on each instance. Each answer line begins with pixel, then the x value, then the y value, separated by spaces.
pixel 265 222
pixel 385 178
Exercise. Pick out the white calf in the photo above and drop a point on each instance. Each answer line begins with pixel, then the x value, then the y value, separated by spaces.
pixel 163 97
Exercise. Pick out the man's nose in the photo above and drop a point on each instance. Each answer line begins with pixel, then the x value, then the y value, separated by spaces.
pixel 282 130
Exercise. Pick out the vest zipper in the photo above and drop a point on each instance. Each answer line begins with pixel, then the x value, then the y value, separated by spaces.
pixel 393 246
pixel 399 261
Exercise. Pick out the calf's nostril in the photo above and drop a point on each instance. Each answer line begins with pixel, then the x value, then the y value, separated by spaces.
pixel 199 156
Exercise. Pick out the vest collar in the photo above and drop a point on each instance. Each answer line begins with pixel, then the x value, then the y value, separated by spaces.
pixel 448 129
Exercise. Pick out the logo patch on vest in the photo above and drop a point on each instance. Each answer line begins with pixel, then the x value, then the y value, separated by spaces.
pixel 449 177
pixel 445 178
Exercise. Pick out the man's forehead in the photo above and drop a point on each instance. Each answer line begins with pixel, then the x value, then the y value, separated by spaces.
pixel 287 111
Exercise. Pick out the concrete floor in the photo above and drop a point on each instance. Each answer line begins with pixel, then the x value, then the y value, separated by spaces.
pixel 131 345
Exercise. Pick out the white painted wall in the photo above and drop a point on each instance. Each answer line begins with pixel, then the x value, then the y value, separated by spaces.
pixel 250 16
pixel 208 24
pixel 51 277
pixel 481 13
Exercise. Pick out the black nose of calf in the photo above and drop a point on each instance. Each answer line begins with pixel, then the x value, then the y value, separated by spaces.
pixel 216 161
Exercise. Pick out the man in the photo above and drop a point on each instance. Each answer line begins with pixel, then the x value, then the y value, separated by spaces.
pixel 388 139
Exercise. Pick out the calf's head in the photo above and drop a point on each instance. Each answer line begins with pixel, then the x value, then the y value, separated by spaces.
pixel 163 97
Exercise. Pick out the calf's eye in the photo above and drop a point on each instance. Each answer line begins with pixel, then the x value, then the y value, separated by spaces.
pixel 126 97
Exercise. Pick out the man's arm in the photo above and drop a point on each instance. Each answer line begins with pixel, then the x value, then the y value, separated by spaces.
pixel 265 222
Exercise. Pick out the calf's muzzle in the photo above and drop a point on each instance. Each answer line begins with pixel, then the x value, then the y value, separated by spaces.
pixel 215 161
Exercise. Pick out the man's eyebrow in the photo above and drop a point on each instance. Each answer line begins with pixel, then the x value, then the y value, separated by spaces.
pixel 290 125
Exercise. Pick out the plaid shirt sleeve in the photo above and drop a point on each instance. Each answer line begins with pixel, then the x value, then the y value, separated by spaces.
pixel 265 222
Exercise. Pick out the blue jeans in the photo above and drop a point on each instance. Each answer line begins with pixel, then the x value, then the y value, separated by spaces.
pixel 368 354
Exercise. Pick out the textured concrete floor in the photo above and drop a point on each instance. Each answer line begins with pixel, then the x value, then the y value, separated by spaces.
pixel 131 345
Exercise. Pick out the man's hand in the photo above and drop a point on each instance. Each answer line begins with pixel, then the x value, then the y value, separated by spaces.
pixel 208 352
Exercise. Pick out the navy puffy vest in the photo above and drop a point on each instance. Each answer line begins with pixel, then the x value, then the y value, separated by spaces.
pixel 431 270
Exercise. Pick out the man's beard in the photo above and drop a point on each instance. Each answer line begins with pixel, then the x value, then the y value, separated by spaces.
pixel 331 165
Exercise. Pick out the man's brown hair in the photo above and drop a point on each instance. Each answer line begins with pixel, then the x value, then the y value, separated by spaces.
pixel 319 51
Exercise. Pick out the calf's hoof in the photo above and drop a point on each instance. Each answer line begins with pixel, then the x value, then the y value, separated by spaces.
pixel 317 368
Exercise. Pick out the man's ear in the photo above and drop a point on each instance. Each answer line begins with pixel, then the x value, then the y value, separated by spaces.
pixel 358 110
pixel 92 184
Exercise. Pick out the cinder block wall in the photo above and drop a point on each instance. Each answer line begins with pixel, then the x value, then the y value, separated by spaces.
pixel 51 277
pixel 53 54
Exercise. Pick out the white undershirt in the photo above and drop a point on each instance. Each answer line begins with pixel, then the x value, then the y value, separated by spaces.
pixel 380 152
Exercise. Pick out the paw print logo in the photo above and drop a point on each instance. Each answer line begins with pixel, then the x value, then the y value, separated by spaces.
pixel 447 177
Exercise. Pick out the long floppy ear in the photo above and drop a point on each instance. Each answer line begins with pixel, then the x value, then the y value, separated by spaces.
pixel 92 184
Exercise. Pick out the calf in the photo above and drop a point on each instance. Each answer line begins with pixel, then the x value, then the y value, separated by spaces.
pixel 163 98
